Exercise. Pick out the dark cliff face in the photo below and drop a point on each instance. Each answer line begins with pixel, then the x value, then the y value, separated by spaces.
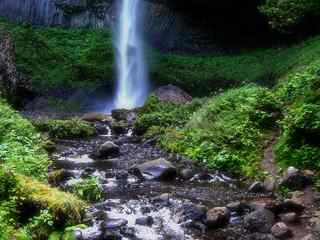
pixel 171 25
pixel 166 27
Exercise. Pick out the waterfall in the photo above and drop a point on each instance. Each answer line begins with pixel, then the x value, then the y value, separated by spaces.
pixel 132 74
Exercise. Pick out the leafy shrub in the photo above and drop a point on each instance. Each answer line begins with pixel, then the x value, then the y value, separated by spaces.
pixel 20 145
pixel 299 143
pixel 8 183
pixel 164 114
pixel 88 189
pixel 283 15
pixel 40 226
pixel 225 133
pixel 65 129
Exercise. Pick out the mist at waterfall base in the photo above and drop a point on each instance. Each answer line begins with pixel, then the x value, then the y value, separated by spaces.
pixel 132 83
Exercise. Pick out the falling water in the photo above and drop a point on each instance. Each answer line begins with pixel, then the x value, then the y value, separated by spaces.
pixel 132 81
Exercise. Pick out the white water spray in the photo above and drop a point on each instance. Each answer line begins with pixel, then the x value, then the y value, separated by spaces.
pixel 132 81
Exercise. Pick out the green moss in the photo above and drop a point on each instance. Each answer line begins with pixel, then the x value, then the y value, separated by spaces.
pixel 202 75
pixel 64 207
pixel 65 129
pixel 58 57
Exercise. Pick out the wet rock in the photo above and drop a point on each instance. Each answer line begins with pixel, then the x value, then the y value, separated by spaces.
pixel 288 217
pixel 218 217
pixel 120 127
pixel 186 174
pixel 260 236
pixel 172 94
pixel 260 220
pixel 125 115
pixel 281 231
pixel 296 179
pixel 286 206
pixel 108 149
pixel 191 212
pixel 145 210
pixel 159 169
pixel 96 117
pixel 87 172
pixel 239 207
pixel 114 223
pixel 145 221
pixel 270 184
pixel 163 198
pixel 128 232
pixel 57 177
pixel 108 235
pixel 256 187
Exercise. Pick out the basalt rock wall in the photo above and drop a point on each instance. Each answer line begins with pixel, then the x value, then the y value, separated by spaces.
pixel 164 25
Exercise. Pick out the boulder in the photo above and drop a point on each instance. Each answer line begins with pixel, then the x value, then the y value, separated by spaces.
pixel 286 206
pixel 119 127
pixel 281 231
pixel 108 149
pixel 260 220
pixel 191 212
pixel 239 207
pixel 186 174
pixel 172 94
pixel 218 217
pixel 96 117
pixel 159 169
pixel 256 187
pixel 125 115
pixel 288 217
pixel 295 179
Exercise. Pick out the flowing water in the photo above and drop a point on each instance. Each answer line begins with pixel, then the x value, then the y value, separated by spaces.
pixel 132 77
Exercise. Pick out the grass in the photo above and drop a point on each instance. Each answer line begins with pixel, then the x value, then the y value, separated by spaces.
pixel 203 75
pixel 62 58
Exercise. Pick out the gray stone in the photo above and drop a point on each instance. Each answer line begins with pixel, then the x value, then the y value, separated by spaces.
pixel 296 179
pixel 218 217
pixel 186 174
pixel 281 231
pixel 108 149
pixel 115 223
pixel 172 94
pixel 288 217
pixel 260 220
pixel 159 169
pixel 256 187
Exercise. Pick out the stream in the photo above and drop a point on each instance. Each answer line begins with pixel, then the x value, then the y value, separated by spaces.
pixel 133 208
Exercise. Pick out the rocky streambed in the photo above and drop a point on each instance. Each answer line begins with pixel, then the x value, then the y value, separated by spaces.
pixel 150 194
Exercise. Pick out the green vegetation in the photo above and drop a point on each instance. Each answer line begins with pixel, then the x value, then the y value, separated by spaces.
pixel 65 129
pixel 226 132
pixel 299 142
pixel 159 115
pixel 88 189
pixel 20 145
pixel 284 15
pixel 202 75
pixel 22 154
pixel 57 57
